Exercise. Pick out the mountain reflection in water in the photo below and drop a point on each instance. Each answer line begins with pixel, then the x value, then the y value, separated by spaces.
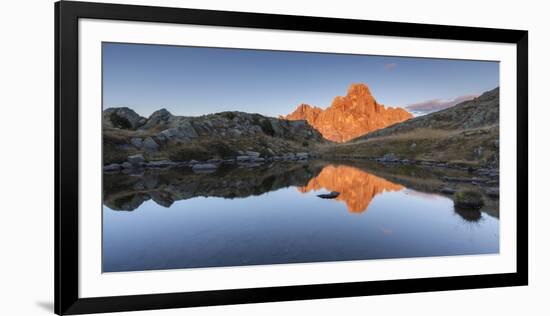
pixel 270 214
pixel 357 188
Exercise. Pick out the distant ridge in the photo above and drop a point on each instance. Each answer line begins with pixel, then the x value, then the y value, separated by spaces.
pixel 478 112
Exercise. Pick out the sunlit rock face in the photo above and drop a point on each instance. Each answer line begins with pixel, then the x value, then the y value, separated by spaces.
pixel 357 188
pixel 350 116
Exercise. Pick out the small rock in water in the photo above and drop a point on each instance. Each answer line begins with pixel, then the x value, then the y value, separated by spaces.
pixel 203 166
pixel 330 195
pixel 390 157
pixel 243 158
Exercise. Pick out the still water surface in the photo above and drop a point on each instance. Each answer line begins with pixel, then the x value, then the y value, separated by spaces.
pixel 158 222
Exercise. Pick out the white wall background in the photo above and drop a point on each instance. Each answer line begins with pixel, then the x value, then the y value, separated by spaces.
pixel 26 142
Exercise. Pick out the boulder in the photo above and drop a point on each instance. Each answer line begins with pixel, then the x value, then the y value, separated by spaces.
pixel 389 157
pixel 184 130
pixel 253 154
pixel 161 164
pixel 160 117
pixel 243 158
pixel 123 117
pixel 126 165
pixel 249 164
pixel 150 145
pixel 137 142
pixel 205 166
pixel 233 132
pixel 136 160
pixel 302 155
pixel 112 167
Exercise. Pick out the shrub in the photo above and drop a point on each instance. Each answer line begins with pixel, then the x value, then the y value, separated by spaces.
pixel 228 115
pixel 266 127
pixel 468 199
pixel 119 121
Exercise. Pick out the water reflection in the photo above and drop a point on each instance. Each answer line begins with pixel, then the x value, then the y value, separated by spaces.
pixel 271 214
pixel 468 215
pixel 357 188
pixel 126 192
pixel 354 186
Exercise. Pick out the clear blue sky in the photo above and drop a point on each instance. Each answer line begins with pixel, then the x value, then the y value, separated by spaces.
pixel 193 81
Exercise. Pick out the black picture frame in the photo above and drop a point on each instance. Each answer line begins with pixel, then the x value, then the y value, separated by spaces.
pixel 67 15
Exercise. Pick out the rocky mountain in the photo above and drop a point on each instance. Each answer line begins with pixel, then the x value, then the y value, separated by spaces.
pixel 227 134
pixel 466 134
pixel 349 116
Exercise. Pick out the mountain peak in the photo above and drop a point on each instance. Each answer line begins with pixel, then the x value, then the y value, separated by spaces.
pixel 355 114
pixel 358 89
pixel 304 112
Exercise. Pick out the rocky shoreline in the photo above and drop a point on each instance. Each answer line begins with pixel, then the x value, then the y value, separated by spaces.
pixel 485 178
pixel 244 159
pixel 391 159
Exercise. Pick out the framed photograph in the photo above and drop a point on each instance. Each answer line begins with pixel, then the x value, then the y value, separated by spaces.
pixel 208 157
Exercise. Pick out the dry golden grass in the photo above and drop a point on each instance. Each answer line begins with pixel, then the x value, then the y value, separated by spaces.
pixel 421 133
pixel 460 147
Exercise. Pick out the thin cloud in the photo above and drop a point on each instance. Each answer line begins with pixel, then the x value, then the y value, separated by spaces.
pixel 434 105
pixel 390 66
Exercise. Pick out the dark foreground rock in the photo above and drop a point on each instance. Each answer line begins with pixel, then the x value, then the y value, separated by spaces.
pixel 331 195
